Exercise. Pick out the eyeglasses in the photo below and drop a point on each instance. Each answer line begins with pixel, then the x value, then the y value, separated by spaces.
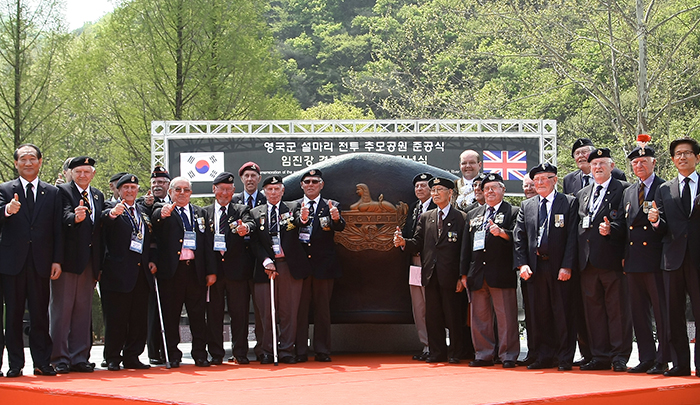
pixel 436 190
pixel 684 153
pixel 543 179
pixel 311 181
pixel 182 190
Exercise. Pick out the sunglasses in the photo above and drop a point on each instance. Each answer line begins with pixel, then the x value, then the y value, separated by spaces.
pixel 311 181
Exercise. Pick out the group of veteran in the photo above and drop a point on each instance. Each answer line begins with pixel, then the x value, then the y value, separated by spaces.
pixel 600 264
pixel 152 255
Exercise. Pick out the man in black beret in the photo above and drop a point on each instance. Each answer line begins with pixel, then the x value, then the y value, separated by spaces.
pixel 114 198
pixel 545 254
pixel 70 309
pixel 158 193
pixel 438 238
pixel 229 223
pixel 600 254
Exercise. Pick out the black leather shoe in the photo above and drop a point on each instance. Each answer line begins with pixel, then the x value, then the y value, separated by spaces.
pixel 156 362
pixel 565 366
pixel 322 357
pixel 135 365
pixel 453 360
pixel 175 363
pixel 14 372
pixel 581 362
pixel 526 361
pixel 83 367
pixel 659 368
pixel 509 364
pixel 46 370
pixel 242 360
pixel 231 359
pixel 267 359
pixel 481 363
pixel 619 366
pixel 421 356
pixel 436 359
pixel 288 360
pixel 302 358
pixel 642 367
pixel 540 365
pixel 216 361
pixel 62 368
pixel 678 372
pixel 104 363
pixel 113 366
pixel 596 365
pixel 202 363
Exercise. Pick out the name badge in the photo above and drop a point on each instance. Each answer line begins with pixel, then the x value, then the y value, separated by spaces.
pixel 479 240
pixel 219 242
pixel 276 245
pixel 136 245
pixel 305 234
pixel 190 240
pixel 586 223
pixel 559 220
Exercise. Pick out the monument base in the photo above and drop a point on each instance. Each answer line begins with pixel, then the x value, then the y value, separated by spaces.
pixel 373 338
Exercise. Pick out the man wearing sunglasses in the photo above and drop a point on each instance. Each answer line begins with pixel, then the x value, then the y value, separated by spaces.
pixel 320 220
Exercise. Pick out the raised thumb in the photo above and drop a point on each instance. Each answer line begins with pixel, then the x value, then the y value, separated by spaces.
pixel 16 197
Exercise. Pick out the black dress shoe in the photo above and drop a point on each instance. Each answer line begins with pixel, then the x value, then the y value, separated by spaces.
pixel 288 360
pixel 565 366
pixel 509 364
pixel 175 363
pixel 231 359
pixel 14 372
pixel 46 370
pixel 302 358
pixel 83 367
pixel 267 359
pixel 156 362
pixel 135 365
pixel 581 362
pixel 113 366
pixel 481 363
pixel 596 365
pixel 104 363
pixel 62 368
pixel 642 367
pixel 436 359
pixel 242 360
pixel 619 366
pixel 202 363
pixel 540 365
pixel 453 360
pixel 526 361
pixel 678 372
pixel 322 357
pixel 659 368
pixel 421 356
pixel 216 361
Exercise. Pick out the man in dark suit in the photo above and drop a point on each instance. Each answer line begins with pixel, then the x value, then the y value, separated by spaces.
pixel 575 181
pixel 438 238
pixel 183 273
pixel 249 173
pixel 415 210
pixel 278 256
pixel 545 254
pixel 676 216
pixel 228 224
pixel 127 277
pixel 70 308
pixel 600 254
pixel 489 275
pixel 31 247
pixel 321 219
pixel 114 197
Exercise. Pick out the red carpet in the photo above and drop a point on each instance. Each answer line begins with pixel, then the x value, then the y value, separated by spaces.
pixel 351 379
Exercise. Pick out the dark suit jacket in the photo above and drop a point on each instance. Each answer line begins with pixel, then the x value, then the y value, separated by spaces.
pixel 679 231
pixel 43 231
pixel 494 263
pixel 83 241
pixel 321 246
pixel 573 182
pixel 259 199
pixel 439 256
pixel 235 263
pixel 562 239
pixel 261 241
pixel 169 234
pixel 643 245
pixel 409 228
pixel 121 266
pixel 603 252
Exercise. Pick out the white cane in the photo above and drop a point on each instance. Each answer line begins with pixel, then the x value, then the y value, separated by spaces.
pixel 274 320
pixel 162 324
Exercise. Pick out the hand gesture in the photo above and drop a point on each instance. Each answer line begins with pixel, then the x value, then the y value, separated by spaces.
pixel 148 199
pixel 653 215
pixel 241 229
pixel 14 205
pixel 304 213
pixel 494 229
pixel 335 214
pixel 398 238
pixel 80 212
pixel 604 227
pixel 525 272
pixel 118 209
pixel 166 210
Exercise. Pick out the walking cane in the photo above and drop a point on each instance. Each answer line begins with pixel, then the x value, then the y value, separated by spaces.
pixel 162 324
pixel 274 320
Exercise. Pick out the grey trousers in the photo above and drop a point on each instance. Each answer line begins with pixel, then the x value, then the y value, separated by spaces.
pixel 503 304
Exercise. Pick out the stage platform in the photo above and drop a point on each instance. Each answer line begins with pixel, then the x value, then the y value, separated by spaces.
pixel 349 379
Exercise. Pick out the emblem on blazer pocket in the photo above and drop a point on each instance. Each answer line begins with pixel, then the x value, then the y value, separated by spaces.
pixel 451 236
pixel 325 223
pixel 499 218
pixel 558 220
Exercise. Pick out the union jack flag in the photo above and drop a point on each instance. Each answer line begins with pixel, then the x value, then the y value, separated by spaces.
pixel 510 164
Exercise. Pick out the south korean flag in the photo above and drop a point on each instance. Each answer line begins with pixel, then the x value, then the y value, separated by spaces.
pixel 201 166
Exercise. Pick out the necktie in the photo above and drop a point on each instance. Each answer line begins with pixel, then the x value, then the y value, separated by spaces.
pixel 488 217
pixel 686 198
pixel 86 202
pixel 223 218
pixel 250 201
pixel 640 196
pixel 312 211
pixel 439 223
pixel 273 221
pixel 185 221
pixel 585 180
pixel 135 219
pixel 30 198
pixel 595 198
pixel 543 248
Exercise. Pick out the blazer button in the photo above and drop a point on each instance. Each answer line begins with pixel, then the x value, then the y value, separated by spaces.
pixel 90 245
pixel 631 243
pixel 645 227
pixel 644 243
pixel 223 260
pixel 309 243
pixel 180 240
pixel 631 227
pixel 309 256
pixel 484 263
pixel 484 250
pixel 178 252
pixel 139 264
